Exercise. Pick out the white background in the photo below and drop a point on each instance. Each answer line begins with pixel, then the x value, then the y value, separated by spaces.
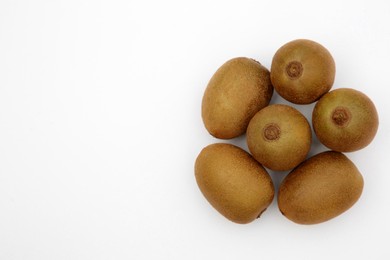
pixel 100 126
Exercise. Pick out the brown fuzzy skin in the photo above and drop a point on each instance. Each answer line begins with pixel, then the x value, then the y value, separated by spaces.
pixel 345 120
pixel 233 182
pixel 279 137
pixel 320 189
pixel 237 90
pixel 302 71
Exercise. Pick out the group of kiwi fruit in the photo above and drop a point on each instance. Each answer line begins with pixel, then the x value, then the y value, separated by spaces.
pixel 237 101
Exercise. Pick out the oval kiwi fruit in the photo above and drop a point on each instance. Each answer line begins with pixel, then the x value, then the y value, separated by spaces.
pixel 279 137
pixel 320 188
pixel 345 120
pixel 237 90
pixel 233 182
pixel 302 71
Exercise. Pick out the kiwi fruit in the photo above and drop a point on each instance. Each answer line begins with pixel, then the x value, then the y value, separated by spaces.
pixel 302 71
pixel 233 182
pixel 237 90
pixel 279 137
pixel 319 189
pixel 345 120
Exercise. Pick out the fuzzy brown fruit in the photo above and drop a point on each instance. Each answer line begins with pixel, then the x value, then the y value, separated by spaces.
pixel 320 189
pixel 233 182
pixel 302 71
pixel 237 90
pixel 345 120
pixel 279 137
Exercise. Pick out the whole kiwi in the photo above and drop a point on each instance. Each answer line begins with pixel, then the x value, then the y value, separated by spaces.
pixel 237 90
pixel 233 182
pixel 279 137
pixel 320 188
pixel 345 120
pixel 302 71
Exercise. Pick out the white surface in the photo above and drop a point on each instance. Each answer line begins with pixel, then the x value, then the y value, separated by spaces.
pixel 100 127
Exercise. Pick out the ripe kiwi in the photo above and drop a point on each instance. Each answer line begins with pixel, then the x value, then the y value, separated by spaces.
pixel 345 120
pixel 233 182
pixel 279 137
pixel 302 71
pixel 320 188
pixel 237 90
